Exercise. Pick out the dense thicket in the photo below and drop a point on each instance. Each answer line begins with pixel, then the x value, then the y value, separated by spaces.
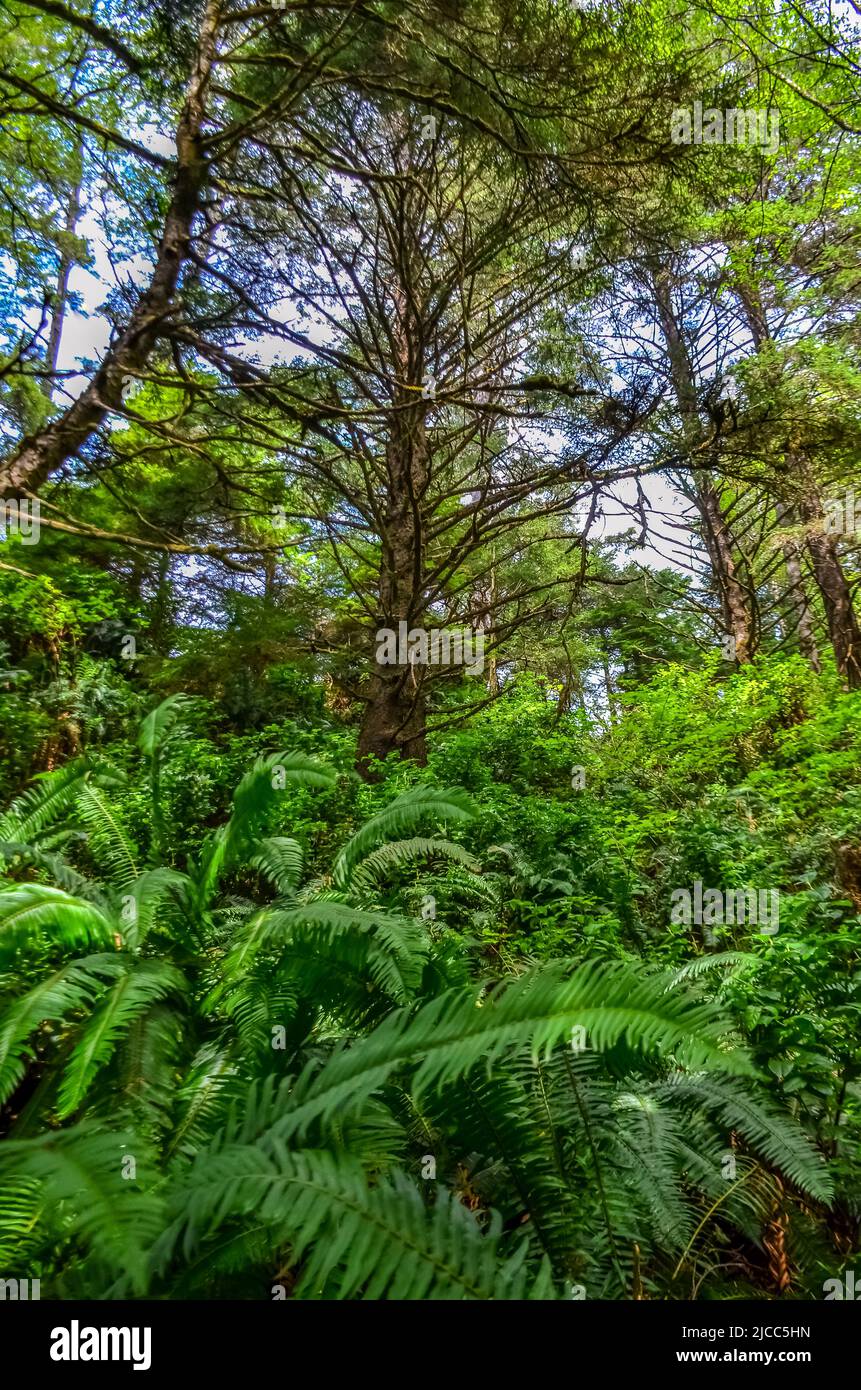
pixel 323 976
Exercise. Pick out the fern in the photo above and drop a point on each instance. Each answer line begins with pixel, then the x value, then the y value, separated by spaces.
pixel 404 813
pixel 86 1198
pixel 601 1165
pixel 51 797
pixel 771 1134
pixel 202 1099
pixel 145 897
pixel 75 988
pixel 133 994
pixel 20 1227
pixel 33 913
pixel 280 859
pixel 109 841
pixel 390 950
pixel 253 800
pixel 370 873
pixel 701 965
pixel 349 1237
pixel 459 1030
pixel 157 731
pixel 162 724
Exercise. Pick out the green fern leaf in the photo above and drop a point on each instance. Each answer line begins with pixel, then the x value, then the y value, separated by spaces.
pixel 404 813
pixel 132 995
pixel 31 912
pixel 372 871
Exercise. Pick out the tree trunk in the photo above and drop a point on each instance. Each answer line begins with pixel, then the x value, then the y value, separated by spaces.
pixel 394 721
pixel 608 684
pixel 73 209
pixel 41 454
pixel 735 607
pixel 484 607
pixel 737 611
pixel 796 593
pixel 843 629
pixel 394 718
pixel 162 614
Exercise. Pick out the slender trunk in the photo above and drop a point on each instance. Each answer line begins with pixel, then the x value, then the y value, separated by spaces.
pixel 735 599
pixel 61 294
pixel 484 607
pixel 41 454
pixel 608 684
pixel 843 628
pixel 796 592
pixel 810 509
pixel 735 607
pixel 162 616
pixel 492 665
pixel 492 676
pixel 757 318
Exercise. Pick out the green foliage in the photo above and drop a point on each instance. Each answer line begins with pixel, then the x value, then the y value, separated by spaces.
pixel 323 1092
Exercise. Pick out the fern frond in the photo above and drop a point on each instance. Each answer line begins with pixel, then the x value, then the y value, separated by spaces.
pixel 404 813
pixel 133 994
pixel 74 988
pixel 61 873
pixel 459 1030
pixel 371 872
pixel 349 1237
pixel 702 965
pixel 156 733
pixel 280 859
pixel 36 912
pixel 333 955
pixel 162 723
pixel 254 798
pixel 148 893
pixel 20 1230
pixel 202 1099
pixel 51 797
pixel 393 949
pixel 495 1120
pixel 110 842
pixel 768 1131
pixel 86 1198
pixel 149 1063
pixel 258 1001
pixel 649 1157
